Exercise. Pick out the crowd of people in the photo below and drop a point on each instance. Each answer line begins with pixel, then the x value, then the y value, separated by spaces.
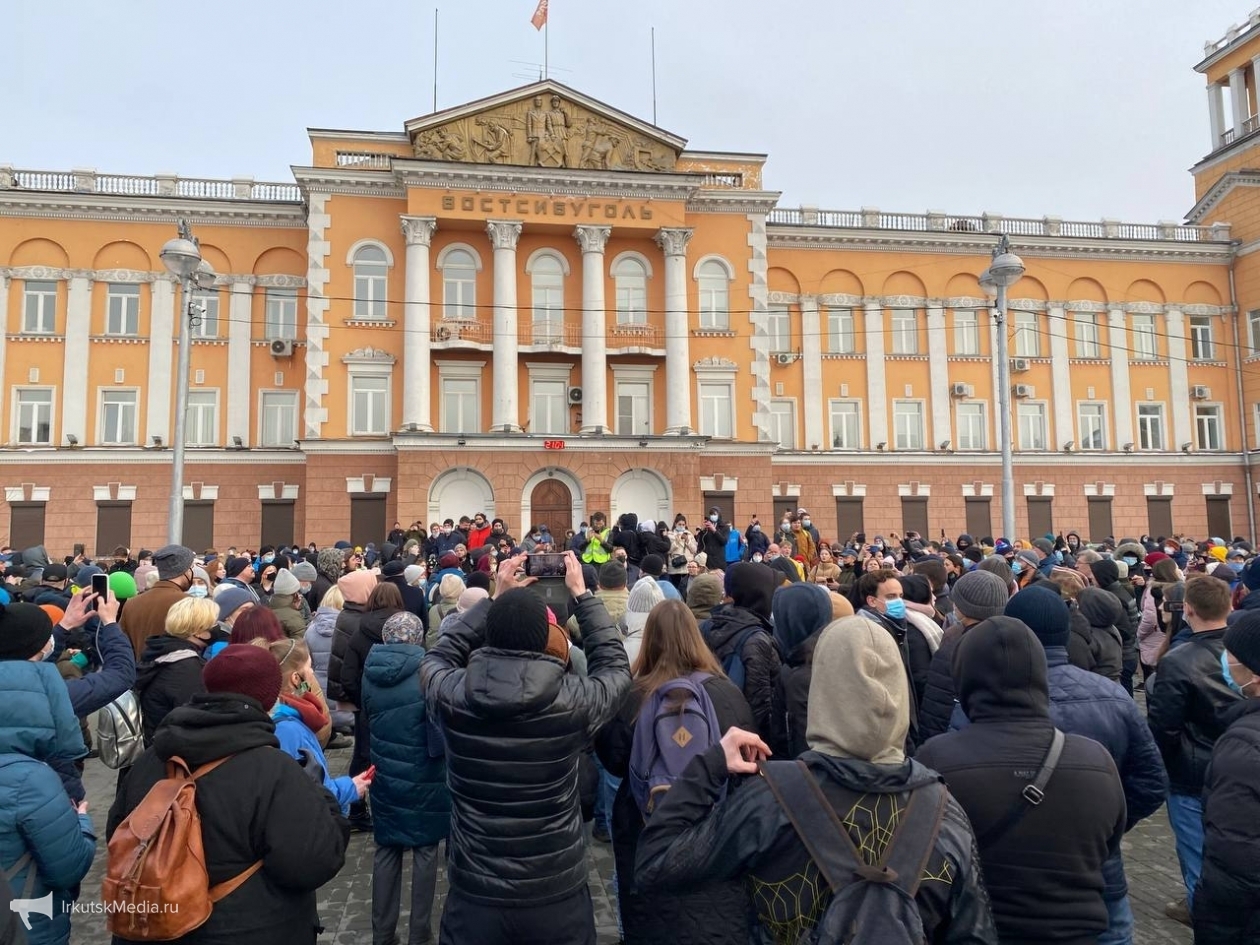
pixel 783 738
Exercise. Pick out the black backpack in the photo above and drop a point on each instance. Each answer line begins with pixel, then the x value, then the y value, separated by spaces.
pixel 870 904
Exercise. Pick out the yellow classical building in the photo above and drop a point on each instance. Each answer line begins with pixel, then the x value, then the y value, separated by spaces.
pixel 537 306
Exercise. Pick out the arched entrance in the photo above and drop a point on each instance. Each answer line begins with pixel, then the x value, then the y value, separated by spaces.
pixel 644 492
pixel 551 504
pixel 460 491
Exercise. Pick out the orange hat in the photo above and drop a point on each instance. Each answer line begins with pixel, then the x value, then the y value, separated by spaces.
pixel 54 612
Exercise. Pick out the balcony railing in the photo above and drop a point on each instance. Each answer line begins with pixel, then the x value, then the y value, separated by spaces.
pixel 636 336
pixel 158 185
pixel 454 333
pixel 364 160
pixel 550 334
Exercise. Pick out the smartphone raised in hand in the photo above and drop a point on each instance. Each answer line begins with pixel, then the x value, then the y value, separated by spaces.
pixel 100 587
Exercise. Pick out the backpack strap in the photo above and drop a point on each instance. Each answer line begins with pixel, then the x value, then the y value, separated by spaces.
pixel 22 861
pixel 229 886
pixel 1033 794
pixel 909 848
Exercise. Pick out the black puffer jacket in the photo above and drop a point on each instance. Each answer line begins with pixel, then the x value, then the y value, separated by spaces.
pixel 168 676
pixel 939 696
pixel 1186 709
pixel 1107 574
pixel 515 724
pixel 757 653
pixel 1105 616
pixel 258 805
pixel 790 707
pixel 365 637
pixel 717 912
pixel 625 534
pixel 347 626
pixel 713 543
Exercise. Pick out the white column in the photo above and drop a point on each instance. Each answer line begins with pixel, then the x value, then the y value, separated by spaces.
pixel 1059 327
pixel 811 367
pixel 1178 378
pixel 76 349
pixel 938 375
pixel 5 282
pixel 417 389
pixel 673 243
pixel 592 240
pixel 1120 388
pixel 993 421
pixel 1216 114
pixel 876 385
pixel 239 389
pixel 1238 98
pixel 163 328
pixel 504 235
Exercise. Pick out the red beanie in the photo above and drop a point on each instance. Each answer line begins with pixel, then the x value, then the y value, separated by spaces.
pixel 247 671
pixel 1154 558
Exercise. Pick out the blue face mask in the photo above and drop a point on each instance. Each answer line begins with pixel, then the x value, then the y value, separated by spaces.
pixel 1229 677
pixel 1058 558
pixel 197 590
pixel 267 559
pixel 895 608
pixel 1129 560
pixel 1017 567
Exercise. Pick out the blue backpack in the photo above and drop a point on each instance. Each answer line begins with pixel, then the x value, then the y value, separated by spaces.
pixel 676 723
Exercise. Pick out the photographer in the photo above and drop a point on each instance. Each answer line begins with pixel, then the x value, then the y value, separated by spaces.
pixel 712 539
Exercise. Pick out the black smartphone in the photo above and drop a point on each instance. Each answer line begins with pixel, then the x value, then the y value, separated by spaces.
pixel 100 586
pixel 546 564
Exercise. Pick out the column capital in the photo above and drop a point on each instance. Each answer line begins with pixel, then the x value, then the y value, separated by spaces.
pixel 504 234
pixel 809 303
pixel 673 240
pixel 418 230
pixel 592 239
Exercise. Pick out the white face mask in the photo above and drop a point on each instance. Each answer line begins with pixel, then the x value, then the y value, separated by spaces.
pixel 785 525
pixel 198 590
pixel 305 587
pixel 713 518
pixel 1170 551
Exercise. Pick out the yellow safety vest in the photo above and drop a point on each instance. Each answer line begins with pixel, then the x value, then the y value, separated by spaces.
pixel 598 551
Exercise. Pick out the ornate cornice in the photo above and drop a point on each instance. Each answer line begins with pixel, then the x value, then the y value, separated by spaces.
pixel 348 180
pixel 281 282
pixel 120 208
pixel 733 201
pixel 547 180
pixel 369 355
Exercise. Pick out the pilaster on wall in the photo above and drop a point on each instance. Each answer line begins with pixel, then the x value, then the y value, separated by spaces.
pixel 759 318
pixel 317 305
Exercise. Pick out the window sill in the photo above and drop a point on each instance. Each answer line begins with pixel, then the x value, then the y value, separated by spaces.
pixel 713 333
pixel 119 339
pixel 969 358
pixel 265 342
pixel 906 357
pixel 1096 359
pixel 35 336
pixel 842 356
pixel 1148 362
pixel 371 322
pixel 1212 362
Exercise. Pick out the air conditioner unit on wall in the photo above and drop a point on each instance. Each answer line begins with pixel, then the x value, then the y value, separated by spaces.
pixel 1020 365
pixel 281 347
pixel 961 390
pixel 1200 392
pixel 785 358
pixel 575 395
pixel 1023 390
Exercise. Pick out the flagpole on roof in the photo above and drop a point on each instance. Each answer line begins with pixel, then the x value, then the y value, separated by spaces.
pixel 435 57
pixel 654 75
pixel 546 48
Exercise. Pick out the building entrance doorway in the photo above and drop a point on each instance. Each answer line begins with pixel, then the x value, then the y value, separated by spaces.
pixel 551 504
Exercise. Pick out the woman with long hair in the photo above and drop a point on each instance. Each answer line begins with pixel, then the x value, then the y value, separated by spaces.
pixel 257 623
pixel 672 647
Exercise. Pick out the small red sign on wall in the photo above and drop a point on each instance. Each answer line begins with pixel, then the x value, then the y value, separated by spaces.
pixel 553 444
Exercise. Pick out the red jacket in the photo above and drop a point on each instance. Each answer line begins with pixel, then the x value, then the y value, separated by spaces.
pixel 477 537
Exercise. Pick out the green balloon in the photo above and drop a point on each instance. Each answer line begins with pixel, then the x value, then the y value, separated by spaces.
pixel 123 585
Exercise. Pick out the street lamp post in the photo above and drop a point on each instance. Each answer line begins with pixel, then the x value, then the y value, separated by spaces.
pixel 1004 271
pixel 182 258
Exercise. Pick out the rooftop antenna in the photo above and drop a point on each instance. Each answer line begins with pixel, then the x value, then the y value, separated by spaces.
pixel 654 75
pixel 435 57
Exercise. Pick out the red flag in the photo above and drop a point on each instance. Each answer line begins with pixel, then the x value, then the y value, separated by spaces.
pixel 539 19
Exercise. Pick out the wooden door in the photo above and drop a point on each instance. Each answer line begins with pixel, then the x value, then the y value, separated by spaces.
pixel 1040 517
pixel 1099 517
pixel 1160 518
pixel 113 526
pixel 26 524
pixel 198 526
pixel 551 504
pixel 367 520
pixel 277 522
pixel 1219 523
pixel 980 517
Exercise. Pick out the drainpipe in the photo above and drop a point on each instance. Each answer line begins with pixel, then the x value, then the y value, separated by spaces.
pixel 1242 412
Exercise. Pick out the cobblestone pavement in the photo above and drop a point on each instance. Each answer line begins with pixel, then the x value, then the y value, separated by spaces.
pixel 345 904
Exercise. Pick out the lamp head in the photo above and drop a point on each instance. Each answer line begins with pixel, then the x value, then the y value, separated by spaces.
pixel 204 276
pixel 181 257
pixel 988 284
pixel 1006 269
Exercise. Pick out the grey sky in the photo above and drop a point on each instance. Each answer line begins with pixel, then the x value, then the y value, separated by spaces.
pixel 1077 108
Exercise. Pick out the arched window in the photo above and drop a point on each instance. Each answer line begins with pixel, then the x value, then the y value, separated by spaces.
pixel 715 295
pixel 371 268
pixel 459 285
pixel 630 277
pixel 547 285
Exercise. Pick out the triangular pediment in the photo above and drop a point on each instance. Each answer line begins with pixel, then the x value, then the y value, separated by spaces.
pixel 545 124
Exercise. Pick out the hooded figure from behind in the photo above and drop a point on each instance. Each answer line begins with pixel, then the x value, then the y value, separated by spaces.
pixel 858 718
pixel 743 629
pixel 800 612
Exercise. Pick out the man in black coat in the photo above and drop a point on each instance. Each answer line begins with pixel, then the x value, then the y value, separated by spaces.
pixel 712 538
pixel 878 595
pixel 515 725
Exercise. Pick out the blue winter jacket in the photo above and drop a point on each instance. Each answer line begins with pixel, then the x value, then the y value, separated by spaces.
pixel 116 675
pixel 295 737
pixel 411 806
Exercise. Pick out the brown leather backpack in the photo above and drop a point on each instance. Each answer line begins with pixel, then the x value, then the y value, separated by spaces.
pixel 156 880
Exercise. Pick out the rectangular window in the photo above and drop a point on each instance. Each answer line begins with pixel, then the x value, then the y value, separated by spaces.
pixel 202 425
pixel 972 428
pixel 840 335
pixel 1201 348
pixel 118 417
pixel 1253 323
pixel 281 314
pixel 846 425
pixel 1027 340
pixel 716 415
pixel 370 290
pixel 1092 419
pixel 1032 427
pixel 905 331
pixel 278 412
pixel 33 416
pixel 369 405
pixel 780 328
pixel 39 307
pixel 461 405
pixel 1085 329
pixel 907 425
pixel 1208 430
pixel 122 310
pixel 783 423
pixel 715 298
pixel 204 321
pixel 1150 426
pixel 548 406
pixel 634 406
pixel 1145 343
pixel 966 333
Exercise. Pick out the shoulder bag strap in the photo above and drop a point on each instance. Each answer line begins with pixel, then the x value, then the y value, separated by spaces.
pixel 815 822
pixel 1032 795
pixel 29 886
pixel 229 886
pixel 910 847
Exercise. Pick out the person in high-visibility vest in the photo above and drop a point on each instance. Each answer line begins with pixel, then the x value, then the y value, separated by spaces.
pixel 594 545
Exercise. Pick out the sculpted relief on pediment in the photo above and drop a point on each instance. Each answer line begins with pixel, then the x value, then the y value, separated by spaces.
pixel 544 131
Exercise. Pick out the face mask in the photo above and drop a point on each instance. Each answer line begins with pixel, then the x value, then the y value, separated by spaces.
pixel 305 587
pixel 895 608
pixel 1129 560
pixel 1229 677
pixel 713 519
pixel 445 530
pixel 757 558
pixel 1058 557
pixel 1170 551
pixel 785 525
pixel 1017 568
pixel 771 557
pixel 198 590
pixel 804 523
pixel 267 559
pixel 756 529
pixel 1236 567
pixel 537 536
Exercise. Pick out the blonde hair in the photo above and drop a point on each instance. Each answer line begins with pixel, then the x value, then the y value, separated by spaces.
pixel 334 598
pixel 191 615
pixel 292 655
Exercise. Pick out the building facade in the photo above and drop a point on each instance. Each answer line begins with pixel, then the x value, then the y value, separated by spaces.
pixel 537 306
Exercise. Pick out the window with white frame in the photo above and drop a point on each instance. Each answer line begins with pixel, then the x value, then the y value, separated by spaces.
pixel 371 281
pixel 630 286
pixel 783 423
pixel 546 282
pixel 1150 419
pixel 1145 342
pixel 907 424
pixel 204 322
pixel 966 332
pixel 1092 424
pixel 201 428
pixel 1032 431
pixel 1027 337
pixel 1085 331
pixel 779 327
pixel 277 418
pixel 39 307
pixel 280 314
pixel 841 336
pixel 369 404
pixel 122 309
pixel 846 425
pixel 459 285
pixel 461 405
pixel 1201 347
pixel 715 295
pixel 1208 429
pixel 905 331
pixel 972 431
pixel 634 408
pixel 717 408
pixel 1253 325
pixel 548 405
pixel 32 416
pixel 118 417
